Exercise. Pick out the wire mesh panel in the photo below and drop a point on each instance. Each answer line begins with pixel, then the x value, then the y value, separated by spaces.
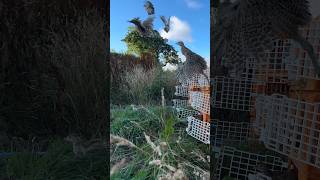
pixel 274 69
pixel 182 91
pixel 261 107
pixel 180 103
pixel 293 129
pixel 239 164
pixel 233 132
pixel 200 101
pixel 198 80
pixel 299 63
pixel 247 71
pixel 230 93
pixel 183 113
pixel 199 129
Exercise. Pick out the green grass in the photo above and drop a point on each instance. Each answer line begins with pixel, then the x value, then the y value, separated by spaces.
pixel 161 125
pixel 58 163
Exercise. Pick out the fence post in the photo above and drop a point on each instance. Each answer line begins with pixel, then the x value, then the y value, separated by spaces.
pixel 162 97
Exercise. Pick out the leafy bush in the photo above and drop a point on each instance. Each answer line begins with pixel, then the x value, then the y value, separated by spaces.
pixel 155 46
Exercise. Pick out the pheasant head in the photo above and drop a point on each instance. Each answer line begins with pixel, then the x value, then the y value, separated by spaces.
pixel 180 43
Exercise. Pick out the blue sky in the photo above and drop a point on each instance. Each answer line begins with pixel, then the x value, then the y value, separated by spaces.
pixel 190 18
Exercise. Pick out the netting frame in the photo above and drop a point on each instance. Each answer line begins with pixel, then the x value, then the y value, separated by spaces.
pixel 233 94
pixel 245 160
pixel 198 129
pixel 292 128
pixel 182 91
pixel 229 131
pixel 200 101
pixel 184 113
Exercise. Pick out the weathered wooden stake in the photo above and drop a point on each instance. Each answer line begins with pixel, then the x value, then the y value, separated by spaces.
pixel 162 97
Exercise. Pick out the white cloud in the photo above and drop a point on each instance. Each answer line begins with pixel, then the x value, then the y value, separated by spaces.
pixel 194 4
pixel 169 67
pixel 181 56
pixel 179 30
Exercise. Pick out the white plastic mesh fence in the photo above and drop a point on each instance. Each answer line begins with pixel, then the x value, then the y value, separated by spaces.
pixel 180 103
pixel 261 107
pixel 239 164
pixel 292 128
pixel 299 63
pixel 199 129
pixel 183 113
pixel 198 80
pixel 182 91
pixel 200 101
pixel 233 132
pixel 273 70
pixel 230 93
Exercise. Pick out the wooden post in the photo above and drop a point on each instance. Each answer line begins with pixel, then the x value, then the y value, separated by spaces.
pixel 162 97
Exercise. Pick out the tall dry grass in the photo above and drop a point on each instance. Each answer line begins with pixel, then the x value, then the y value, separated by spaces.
pixel 138 82
pixel 54 71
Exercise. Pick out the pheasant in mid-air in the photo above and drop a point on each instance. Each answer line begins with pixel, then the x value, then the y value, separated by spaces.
pixel 145 28
pixel 149 7
pixel 194 64
pixel 166 23
pixel 248 28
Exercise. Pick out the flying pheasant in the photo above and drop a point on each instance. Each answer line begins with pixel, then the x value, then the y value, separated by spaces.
pixel 149 7
pixel 166 23
pixel 145 28
pixel 248 28
pixel 193 65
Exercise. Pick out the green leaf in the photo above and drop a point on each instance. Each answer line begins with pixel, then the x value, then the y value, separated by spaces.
pixel 168 129
pixel 155 46
pixel 141 175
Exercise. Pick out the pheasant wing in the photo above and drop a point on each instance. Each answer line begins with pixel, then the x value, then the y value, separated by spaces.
pixel 148 23
pixel 149 7
pixel 163 19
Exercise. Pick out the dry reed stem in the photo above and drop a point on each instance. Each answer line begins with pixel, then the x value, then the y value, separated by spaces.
pixel 121 141
pixel 153 146
pixel 119 165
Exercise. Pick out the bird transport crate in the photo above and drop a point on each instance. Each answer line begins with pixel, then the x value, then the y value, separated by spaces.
pixel 180 103
pixel 259 120
pixel 198 129
pixel 292 128
pixel 274 69
pixel 197 81
pixel 239 164
pixel 182 91
pixel 200 101
pixel 183 113
pixel 230 132
pixel 271 70
pixel 230 93
pixel 299 63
